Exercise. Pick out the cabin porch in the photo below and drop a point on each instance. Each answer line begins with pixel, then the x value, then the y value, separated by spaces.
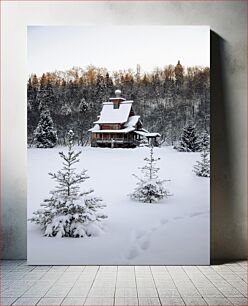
pixel 114 140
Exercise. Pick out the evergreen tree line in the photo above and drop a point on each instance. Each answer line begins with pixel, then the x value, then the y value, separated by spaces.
pixel 166 99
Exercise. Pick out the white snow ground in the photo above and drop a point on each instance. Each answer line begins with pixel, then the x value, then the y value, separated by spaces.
pixel 174 231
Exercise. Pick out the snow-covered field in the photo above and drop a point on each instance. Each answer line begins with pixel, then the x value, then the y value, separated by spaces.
pixel 174 231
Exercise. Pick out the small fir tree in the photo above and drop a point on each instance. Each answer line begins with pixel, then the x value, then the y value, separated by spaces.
pixel 202 168
pixel 204 142
pixel 189 141
pixel 70 212
pixel 150 188
pixel 45 136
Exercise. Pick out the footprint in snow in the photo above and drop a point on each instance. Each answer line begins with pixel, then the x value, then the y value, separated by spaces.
pixel 144 243
pixel 177 218
pixel 163 221
pixel 153 229
pixel 140 234
pixel 140 242
pixel 133 252
pixel 196 214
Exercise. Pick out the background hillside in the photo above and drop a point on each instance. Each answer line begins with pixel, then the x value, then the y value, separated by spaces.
pixel 166 99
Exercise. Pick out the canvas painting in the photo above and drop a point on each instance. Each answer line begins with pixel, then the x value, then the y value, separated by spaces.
pixel 118 144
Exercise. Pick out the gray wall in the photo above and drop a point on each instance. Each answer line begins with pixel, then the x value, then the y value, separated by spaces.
pixel 228 105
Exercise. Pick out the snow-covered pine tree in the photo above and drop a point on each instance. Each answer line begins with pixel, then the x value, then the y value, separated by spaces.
pixel 70 212
pixel 189 140
pixel 150 188
pixel 204 142
pixel 45 136
pixel 202 168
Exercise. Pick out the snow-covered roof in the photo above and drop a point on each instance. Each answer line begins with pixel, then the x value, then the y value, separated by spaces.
pixel 147 134
pixel 129 126
pixel 153 135
pixel 132 121
pixel 118 98
pixel 111 115
pixel 95 128
pixel 125 130
pixel 141 133
pixel 144 130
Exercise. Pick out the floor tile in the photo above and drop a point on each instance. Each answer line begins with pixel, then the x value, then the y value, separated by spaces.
pixel 58 291
pixel 163 292
pixel 145 284
pixel 121 301
pixel 149 301
pixel 217 301
pixel 189 293
pixel 13 293
pixel 42 268
pixel 239 301
pixel 194 301
pixel 147 292
pixel 75 269
pixel 105 284
pixel 37 291
pixel 7 301
pixel 102 292
pixel 92 269
pixel 209 292
pixel 79 291
pixel 126 269
pixel 126 292
pixel 58 268
pixel 73 301
pixel 27 301
pixel 50 301
pixel 99 301
pixel 167 301
pixel 126 283
pixel 230 292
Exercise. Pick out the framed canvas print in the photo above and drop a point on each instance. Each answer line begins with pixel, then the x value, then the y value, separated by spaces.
pixel 118 145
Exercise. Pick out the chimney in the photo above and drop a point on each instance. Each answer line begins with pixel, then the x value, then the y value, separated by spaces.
pixel 118 93
pixel 117 100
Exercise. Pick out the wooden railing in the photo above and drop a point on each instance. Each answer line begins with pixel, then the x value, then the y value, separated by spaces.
pixel 117 141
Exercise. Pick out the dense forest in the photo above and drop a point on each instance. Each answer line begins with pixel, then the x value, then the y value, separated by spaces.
pixel 166 99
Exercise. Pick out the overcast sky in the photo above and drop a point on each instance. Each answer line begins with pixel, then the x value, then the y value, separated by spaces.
pixel 116 47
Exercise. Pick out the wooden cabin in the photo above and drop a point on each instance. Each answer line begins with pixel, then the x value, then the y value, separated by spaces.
pixel 117 125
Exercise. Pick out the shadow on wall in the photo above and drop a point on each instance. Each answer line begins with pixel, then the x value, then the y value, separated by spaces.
pixel 225 231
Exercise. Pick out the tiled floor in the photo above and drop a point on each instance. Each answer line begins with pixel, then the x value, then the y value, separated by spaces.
pixel 123 285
